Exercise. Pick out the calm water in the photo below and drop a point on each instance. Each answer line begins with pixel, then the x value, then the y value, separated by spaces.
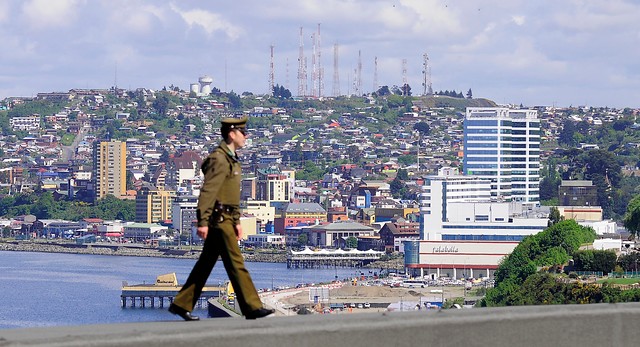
pixel 51 289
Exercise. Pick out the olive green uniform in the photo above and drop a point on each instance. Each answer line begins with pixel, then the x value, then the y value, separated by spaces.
pixel 218 207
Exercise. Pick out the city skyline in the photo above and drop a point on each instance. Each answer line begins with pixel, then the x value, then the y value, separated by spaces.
pixel 571 53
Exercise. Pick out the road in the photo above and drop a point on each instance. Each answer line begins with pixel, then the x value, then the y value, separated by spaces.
pixel 69 151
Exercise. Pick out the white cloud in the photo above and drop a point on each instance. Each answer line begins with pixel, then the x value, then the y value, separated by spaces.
pixel 519 20
pixel 4 11
pixel 209 21
pixel 135 18
pixel 525 57
pixel 42 14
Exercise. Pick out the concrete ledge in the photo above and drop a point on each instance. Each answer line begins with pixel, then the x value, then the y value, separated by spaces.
pixel 561 325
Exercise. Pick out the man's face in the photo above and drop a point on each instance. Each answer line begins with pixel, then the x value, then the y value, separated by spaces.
pixel 239 137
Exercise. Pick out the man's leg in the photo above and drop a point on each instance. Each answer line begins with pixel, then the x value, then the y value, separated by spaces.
pixel 238 274
pixel 192 288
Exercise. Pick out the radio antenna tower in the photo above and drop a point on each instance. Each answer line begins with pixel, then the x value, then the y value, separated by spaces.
pixel 302 73
pixel 358 86
pixel 314 67
pixel 336 74
pixel 271 74
pixel 375 74
pixel 426 74
pixel 404 77
pixel 320 69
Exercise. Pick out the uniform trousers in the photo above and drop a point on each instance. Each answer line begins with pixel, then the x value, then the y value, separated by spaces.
pixel 221 241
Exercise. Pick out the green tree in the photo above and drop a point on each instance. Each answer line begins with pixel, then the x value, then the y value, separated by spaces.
pixel 161 104
pixel 281 92
pixel 631 219
pixel 550 181
pixel 550 247
pixel 406 89
pixel 554 216
pixel 604 170
pixel 398 187
pixel 310 172
pixel 351 242
pixel 44 206
pixel 303 239
pixel 111 207
pixel 629 261
pixel 422 128
pixel 383 91
pixel 566 134
pixel 234 100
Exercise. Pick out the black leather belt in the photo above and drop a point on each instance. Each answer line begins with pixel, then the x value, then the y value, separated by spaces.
pixel 226 208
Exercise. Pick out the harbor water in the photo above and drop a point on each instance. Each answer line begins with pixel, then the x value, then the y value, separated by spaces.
pixel 54 289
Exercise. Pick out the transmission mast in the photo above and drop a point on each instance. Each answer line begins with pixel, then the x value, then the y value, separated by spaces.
pixel 358 86
pixel 302 72
pixel 314 66
pixel 404 77
pixel 375 74
pixel 426 74
pixel 320 69
pixel 336 74
pixel 271 74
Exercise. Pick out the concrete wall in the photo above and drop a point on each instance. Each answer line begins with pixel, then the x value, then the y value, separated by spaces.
pixel 562 325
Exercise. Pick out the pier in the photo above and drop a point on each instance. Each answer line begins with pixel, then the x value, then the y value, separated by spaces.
pixel 165 289
pixel 309 259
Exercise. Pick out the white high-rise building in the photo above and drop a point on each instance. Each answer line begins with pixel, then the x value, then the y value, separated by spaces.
pixel 503 145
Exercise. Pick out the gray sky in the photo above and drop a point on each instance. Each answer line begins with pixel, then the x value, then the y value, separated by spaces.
pixel 534 52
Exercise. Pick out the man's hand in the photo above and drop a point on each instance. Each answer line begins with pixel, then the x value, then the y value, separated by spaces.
pixel 202 232
pixel 238 229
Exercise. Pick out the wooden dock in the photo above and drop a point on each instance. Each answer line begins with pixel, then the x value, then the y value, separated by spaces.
pixel 165 288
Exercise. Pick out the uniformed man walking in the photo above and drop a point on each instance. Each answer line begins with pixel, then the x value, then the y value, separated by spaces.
pixel 218 216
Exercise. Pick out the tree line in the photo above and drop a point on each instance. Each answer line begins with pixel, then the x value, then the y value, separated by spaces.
pixel 43 205
pixel 539 270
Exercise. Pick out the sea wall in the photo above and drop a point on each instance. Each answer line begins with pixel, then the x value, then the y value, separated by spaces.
pixel 275 256
pixel 123 250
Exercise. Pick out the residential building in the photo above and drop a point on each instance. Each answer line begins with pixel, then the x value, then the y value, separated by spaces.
pixel 577 193
pixel 395 232
pixel 25 123
pixel 299 214
pixel 183 168
pixel 503 145
pixel 262 210
pixel 110 170
pixel 248 188
pixel 250 225
pixel 183 213
pixel 274 185
pixel 367 192
pixel 153 205
pixel 386 214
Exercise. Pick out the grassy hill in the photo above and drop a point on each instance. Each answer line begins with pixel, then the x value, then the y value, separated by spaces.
pixel 457 103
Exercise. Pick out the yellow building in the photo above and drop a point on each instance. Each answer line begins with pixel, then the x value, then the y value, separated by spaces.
pixel 153 205
pixel 110 169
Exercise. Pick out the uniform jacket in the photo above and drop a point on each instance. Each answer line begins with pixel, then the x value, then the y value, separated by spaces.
pixel 222 178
